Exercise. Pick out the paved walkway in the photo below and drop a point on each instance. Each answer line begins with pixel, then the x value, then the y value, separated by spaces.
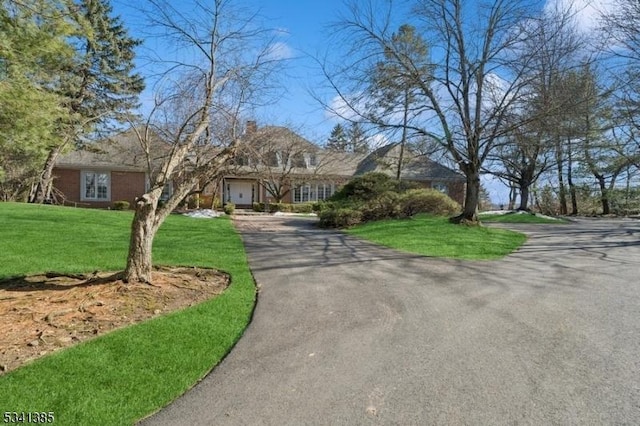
pixel 348 333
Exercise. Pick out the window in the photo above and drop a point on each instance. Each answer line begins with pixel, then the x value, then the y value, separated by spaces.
pixel 167 191
pixel 299 160
pixel 312 192
pixel 325 190
pixel 272 159
pixel 311 159
pixel 95 186
pixel 439 186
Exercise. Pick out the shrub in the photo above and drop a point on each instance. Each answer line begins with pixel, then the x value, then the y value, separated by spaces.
pixel 365 187
pixel 302 208
pixel 430 201
pixel 258 207
pixel 384 206
pixel 276 207
pixel 216 203
pixel 121 205
pixel 339 218
pixel 229 208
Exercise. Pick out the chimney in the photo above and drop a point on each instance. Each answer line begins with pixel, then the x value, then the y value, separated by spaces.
pixel 252 127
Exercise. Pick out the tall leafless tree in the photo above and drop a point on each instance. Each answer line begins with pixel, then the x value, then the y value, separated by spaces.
pixel 224 58
pixel 473 80
pixel 553 48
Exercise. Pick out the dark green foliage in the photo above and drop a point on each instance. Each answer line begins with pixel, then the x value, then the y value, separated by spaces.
pixel 384 206
pixel 365 187
pixel 285 207
pixel 376 196
pixel 353 139
pixel 121 205
pixel 430 201
pixel 103 85
pixel 340 218
pixel 338 139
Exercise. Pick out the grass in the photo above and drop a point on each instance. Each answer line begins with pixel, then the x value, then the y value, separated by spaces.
pixel 435 236
pixel 518 218
pixel 122 376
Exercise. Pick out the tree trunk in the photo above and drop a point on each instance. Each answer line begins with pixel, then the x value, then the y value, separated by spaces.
pixel 472 195
pixel 524 197
pixel 403 142
pixel 604 194
pixel 562 195
pixel 513 194
pixel 42 191
pixel 143 230
pixel 572 187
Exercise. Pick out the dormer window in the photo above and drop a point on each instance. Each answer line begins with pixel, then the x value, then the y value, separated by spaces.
pixel 299 160
pixel 310 160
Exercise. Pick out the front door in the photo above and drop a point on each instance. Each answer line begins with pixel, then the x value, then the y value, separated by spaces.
pixel 240 192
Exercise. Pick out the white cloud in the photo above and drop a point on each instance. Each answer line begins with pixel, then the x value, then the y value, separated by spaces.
pixel 587 13
pixel 338 110
pixel 378 140
pixel 280 51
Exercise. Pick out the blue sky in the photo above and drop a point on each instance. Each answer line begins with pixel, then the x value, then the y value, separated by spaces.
pixel 303 27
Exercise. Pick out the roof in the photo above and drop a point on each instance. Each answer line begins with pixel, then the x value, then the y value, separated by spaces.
pixel 121 152
pixel 416 166
pixel 277 137
pixel 124 152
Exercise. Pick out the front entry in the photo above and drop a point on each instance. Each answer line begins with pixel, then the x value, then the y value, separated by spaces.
pixel 240 192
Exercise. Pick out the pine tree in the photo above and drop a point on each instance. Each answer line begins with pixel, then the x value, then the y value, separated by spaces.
pixel 395 89
pixel 34 51
pixel 358 142
pixel 338 139
pixel 100 84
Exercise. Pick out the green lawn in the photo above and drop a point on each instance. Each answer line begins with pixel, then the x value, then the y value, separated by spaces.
pixel 122 376
pixel 518 218
pixel 435 236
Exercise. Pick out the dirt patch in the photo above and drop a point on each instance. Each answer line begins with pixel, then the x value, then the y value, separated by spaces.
pixel 41 314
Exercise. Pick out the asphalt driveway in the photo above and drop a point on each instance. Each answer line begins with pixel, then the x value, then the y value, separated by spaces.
pixel 349 333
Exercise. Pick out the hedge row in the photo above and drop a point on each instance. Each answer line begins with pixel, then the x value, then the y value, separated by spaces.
pixel 286 207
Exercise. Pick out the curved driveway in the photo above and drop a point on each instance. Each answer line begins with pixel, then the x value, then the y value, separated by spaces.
pixel 348 333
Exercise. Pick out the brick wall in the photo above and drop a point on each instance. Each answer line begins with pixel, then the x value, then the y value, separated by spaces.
pixel 125 186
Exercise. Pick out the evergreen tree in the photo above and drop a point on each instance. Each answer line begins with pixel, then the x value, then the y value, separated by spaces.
pixel 358 142
pixel 34 51
pixel 394 89
pixel 100 85
pixel 338 139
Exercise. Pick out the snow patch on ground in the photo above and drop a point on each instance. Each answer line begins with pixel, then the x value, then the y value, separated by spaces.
pixel 293 214
pixel 204 214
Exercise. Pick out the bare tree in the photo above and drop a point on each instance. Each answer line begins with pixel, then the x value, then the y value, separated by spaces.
pixel 191 134
pixel 622 26
pixel 466 91
pixel 553 49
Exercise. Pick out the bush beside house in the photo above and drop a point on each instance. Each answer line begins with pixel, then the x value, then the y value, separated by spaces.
pixel 376 196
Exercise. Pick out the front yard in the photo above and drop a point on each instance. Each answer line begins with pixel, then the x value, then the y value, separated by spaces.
pixel 117 377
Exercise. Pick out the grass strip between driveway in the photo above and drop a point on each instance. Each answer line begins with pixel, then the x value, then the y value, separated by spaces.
pixel 122 376
pixel 435 236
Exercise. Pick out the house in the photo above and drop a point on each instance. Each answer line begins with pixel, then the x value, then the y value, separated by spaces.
pixel 275 164
pixel 272 164
pixel 415 167
pixel 98 176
